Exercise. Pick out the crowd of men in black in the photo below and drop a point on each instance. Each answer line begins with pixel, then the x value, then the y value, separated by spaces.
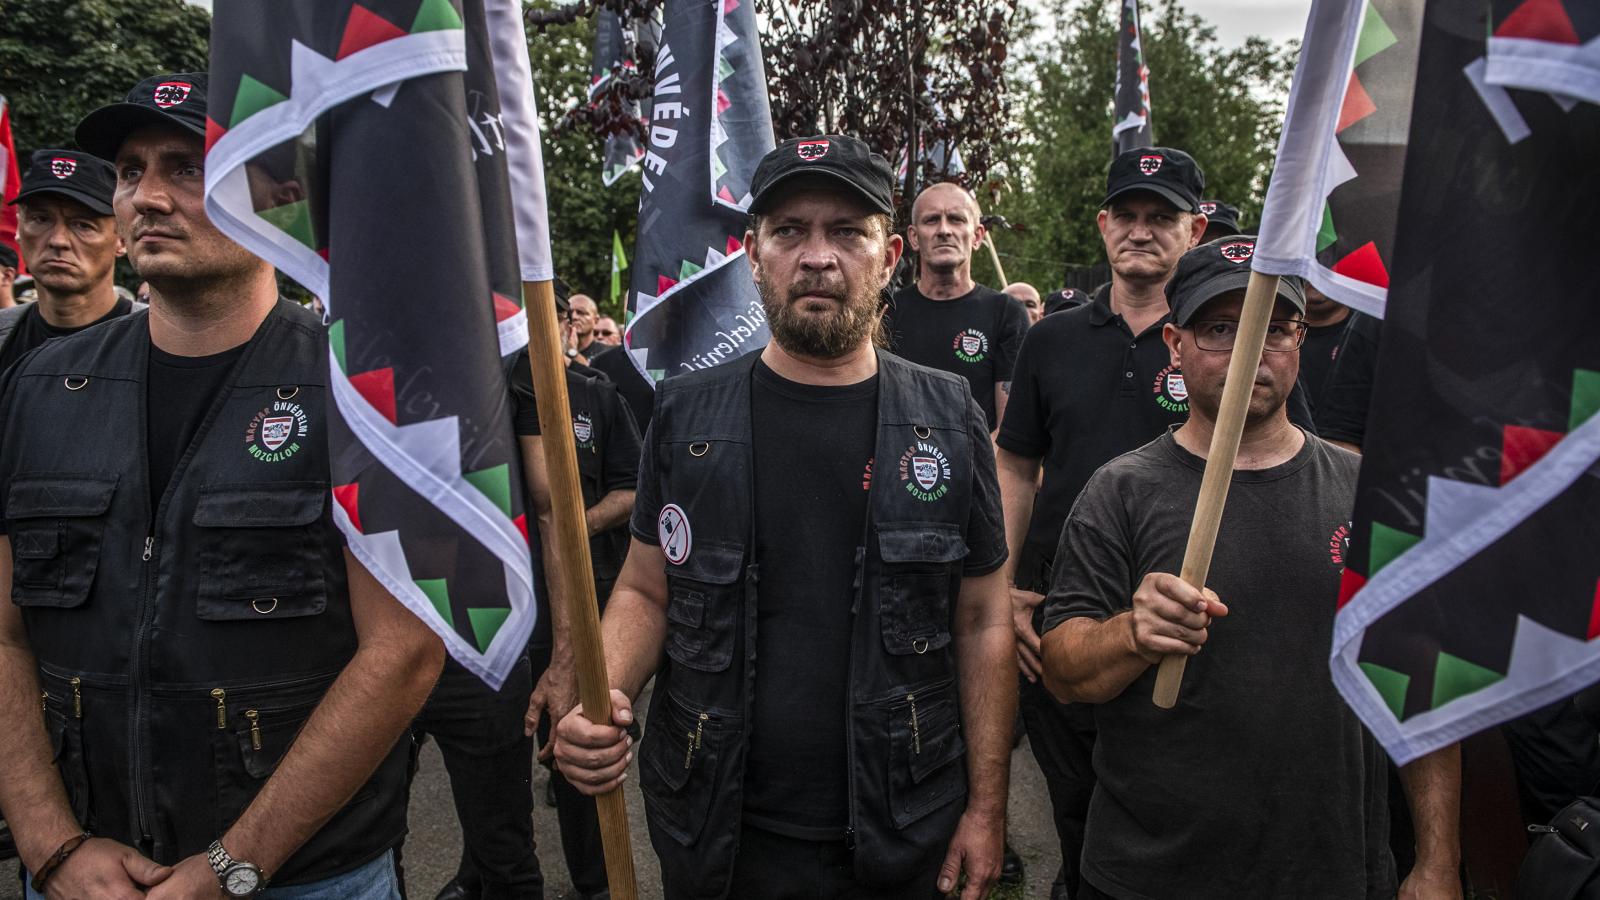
pixel 850 564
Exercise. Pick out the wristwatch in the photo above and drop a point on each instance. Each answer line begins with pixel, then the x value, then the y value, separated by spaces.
pixel 571 353
pixel 238 879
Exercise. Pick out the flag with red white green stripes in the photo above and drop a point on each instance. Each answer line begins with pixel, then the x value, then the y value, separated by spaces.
pixel 371 150
pixel 1329 213
pixel 1471 593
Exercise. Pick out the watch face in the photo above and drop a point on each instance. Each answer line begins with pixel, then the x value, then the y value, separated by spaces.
pixel 241 881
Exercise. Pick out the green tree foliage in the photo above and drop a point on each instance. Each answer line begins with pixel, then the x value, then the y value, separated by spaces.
pixel 59 59
pixel 583 211
pixel 1223 105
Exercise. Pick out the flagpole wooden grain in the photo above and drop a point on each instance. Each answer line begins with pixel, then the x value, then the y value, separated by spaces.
pixel 988 240
pixel 572 554
pixel 1229 428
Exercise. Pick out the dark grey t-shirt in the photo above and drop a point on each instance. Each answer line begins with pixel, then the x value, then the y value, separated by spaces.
pixel 1261 782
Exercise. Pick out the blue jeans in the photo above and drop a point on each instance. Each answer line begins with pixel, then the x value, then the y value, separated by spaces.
pixel 373 881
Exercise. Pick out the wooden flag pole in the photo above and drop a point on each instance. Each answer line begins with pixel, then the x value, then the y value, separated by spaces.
pixel 572 552
pixel 1247 344
pixel 988 240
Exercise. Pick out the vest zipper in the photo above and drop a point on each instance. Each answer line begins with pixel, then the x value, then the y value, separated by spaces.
pixel 255 728
pixel 77 697
pixel 221 696
pixel 149 539
pixel 694 739
pixel 916 730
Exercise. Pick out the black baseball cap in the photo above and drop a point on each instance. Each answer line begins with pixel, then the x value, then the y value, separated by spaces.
pixel 8 257
pixel 1172 174
pixel 1221 214
pixel 177 99
pixel 841 158
pixel 1213 269
pixel 87 179
pixel 1066 298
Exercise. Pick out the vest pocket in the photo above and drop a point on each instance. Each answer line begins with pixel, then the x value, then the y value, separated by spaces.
pixel 56 526
pixel 258 551
pixel 703 603
pixel 925 748
pixel 917 581
pixel 65 731
pixel 680 764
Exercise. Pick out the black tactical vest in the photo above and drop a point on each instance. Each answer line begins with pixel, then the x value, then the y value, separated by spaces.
pixel 907 759
pixel 181 648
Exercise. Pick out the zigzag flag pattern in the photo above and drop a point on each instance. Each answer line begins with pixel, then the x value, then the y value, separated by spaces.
pixel 336 128
pixel 1551 46
pixel 1132 124
pixel 1472 590
pixel 615 51
pixel 692 304
pixel 1336 183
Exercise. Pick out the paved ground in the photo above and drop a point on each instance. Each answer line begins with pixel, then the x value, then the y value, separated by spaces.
pixel 435 842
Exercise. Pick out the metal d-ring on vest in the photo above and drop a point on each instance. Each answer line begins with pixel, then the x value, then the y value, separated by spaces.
pixel 922 431
pixel 75 382
pixel 700 448
pixel 287 393
pixel 272 605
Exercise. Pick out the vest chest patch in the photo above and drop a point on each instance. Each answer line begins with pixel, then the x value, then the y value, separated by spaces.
pixel 278 432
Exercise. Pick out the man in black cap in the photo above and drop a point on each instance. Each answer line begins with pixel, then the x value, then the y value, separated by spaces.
pixel 1261 782
pixel 1064 299
pixel 1090 383
pixel 946 320
pixel 223 684
pixel 8 276
pixel 1222 219
pixel 69 237
pixel 842 726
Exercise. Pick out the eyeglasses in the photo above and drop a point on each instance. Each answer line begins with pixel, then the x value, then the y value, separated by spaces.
pixel 1218 335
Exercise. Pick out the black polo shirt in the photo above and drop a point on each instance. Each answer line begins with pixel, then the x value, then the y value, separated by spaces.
pixel 1084 391
pixel 975 336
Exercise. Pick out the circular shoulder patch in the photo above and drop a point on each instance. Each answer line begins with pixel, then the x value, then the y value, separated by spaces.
pixel 672 529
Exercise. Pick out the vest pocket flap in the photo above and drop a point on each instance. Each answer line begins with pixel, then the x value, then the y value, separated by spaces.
pixel 711 564
pixel 35 543
pixel 38 497
pixel 921 542
pixel 260 506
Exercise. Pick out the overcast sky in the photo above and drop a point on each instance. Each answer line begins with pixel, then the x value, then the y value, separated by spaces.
pixel 1279 20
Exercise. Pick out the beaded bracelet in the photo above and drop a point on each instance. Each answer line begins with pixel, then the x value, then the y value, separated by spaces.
pixel 55 861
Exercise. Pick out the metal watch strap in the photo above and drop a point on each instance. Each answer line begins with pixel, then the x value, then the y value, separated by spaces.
pixel 221 861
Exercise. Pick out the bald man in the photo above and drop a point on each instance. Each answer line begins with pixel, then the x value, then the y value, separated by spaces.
pixel 1028 296
pixel 582 316
pixel 946 320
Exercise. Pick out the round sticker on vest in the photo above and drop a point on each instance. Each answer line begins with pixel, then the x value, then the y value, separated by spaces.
pixel 1171 393
pixel 971 345
pixel 672 530
pixel 925 472
pixel 277 432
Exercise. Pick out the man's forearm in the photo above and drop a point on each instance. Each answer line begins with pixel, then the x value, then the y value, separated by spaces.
pixel 1433 791
pixel 1091 661
pixel 612 511
pixel 1019 477
pixel 634 632
pixel 31 796
pixel 985 659
pixel 353 729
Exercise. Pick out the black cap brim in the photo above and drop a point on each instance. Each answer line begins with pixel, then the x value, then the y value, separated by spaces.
pixel 103 131
pixel 761 201
pixel 1195 299
pixel 94 203
pixel 1160 190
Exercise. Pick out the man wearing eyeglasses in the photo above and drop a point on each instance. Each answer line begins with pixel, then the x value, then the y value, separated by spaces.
pixel 1261 782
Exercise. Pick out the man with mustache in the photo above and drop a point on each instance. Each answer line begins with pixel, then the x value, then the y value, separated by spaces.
pixel 69 238
pixel 946 320
pixel 814 584
pixel 1261 782
pixel 201 689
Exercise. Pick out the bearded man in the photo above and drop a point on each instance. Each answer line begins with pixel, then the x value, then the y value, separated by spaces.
pixel 843 727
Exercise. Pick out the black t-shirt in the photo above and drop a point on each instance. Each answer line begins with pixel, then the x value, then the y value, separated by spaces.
pixel 1343 415
pixel 812 445
pixel 1317 357
pixel 976 336
pixel 1086 390
pixel 812 449
pixel 640 396
pixel 179 392
pixel 1261 782
pixel 32 330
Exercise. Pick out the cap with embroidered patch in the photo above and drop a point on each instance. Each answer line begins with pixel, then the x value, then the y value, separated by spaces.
pixel 1213 269
pixel 840 158
pixel 87 179
pixel 178 99
pixel 1222 215
pixel 1171 174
